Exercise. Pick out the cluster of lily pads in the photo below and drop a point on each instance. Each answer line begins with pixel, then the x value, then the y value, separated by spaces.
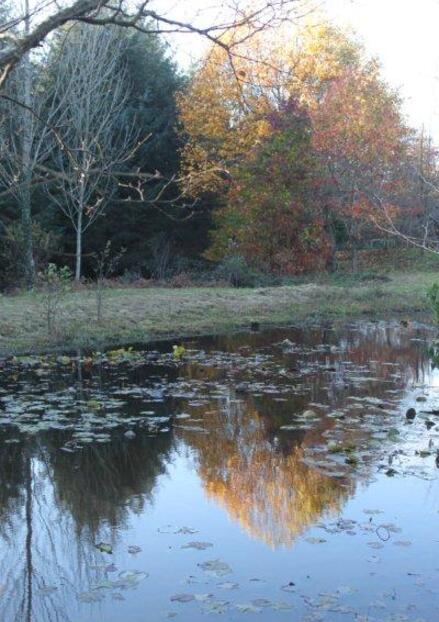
pixel 127 391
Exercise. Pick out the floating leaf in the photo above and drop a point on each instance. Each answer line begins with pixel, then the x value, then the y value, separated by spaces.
pixel 228 585
pixel 216 606
pixel 202 598
pixel 261 602
pixel 248 608
pixel 133 549
pixel 92 596
pixel 289 587
pixel 200 546
pixel 182 598
pixel 281 606
pixel 375 545
pixel 104 547
pixel 185 531
pixel 216 567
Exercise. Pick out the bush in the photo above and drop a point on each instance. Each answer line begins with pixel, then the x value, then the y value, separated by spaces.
pixel 184 279
pixel 130 277
pixel 238 273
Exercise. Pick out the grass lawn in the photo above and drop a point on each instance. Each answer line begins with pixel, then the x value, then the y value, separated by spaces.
pixel 145 314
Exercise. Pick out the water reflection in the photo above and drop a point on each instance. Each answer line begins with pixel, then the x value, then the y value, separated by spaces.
pixel 104 484
pixel 56 506
pixel 257 473
pixel 57 503
pixel 259 477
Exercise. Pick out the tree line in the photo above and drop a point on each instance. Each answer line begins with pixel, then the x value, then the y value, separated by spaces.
pixel 282 145
pixel 319 153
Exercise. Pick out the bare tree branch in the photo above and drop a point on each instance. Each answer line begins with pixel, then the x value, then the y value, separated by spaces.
pixel 143 17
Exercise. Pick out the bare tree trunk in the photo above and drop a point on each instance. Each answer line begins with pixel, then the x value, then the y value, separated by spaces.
pixel 26 223
pixel 354 238
pixel 91 78
pixel 78 246
pixel 354 257
pixel 331 262
pixel 25 195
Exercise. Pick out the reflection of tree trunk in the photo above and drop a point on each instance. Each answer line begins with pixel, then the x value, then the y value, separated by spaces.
pixel 28 546
pixel 79 377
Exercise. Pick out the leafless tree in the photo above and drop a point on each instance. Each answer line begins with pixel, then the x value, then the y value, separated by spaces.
pixel 26 140
pixel 94 139
pixel 27 30
pixel 105 264
pixel 417 223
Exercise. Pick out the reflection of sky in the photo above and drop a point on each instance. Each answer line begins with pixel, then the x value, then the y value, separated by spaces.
pixel 243 488
pixel 433 380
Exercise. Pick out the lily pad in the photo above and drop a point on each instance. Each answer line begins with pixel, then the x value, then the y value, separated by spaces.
pixel 104 547
pixel 134 549
pixel 182 598
pixel 199 546
pixel 216 567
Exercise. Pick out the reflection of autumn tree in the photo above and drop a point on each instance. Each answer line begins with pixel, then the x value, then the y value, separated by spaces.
pixel 261 482
pixel 383 345
pixel 389 344
pixel 256 472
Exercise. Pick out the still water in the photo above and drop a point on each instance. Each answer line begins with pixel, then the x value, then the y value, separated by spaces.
pixel 255 478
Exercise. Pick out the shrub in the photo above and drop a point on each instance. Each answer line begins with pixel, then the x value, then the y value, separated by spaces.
pixel 105 265
pixel 184 279
pixel 130 277
pixel 54 284
pixel 236 271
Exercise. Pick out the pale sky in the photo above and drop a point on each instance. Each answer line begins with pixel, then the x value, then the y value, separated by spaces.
pixel 404 34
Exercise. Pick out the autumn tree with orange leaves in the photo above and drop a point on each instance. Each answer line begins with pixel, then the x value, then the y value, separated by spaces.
pixel 273 215
pixel 286 183
pixel 361 140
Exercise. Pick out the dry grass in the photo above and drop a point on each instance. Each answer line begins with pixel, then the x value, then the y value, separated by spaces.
pixel 146 314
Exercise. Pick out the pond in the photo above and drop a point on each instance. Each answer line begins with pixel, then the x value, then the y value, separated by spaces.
pixel 290 475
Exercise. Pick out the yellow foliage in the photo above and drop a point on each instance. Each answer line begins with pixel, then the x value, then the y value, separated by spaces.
pixel 178 352
pixel 225 109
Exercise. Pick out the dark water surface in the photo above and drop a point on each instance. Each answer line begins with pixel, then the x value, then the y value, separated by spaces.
pixel 250 480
